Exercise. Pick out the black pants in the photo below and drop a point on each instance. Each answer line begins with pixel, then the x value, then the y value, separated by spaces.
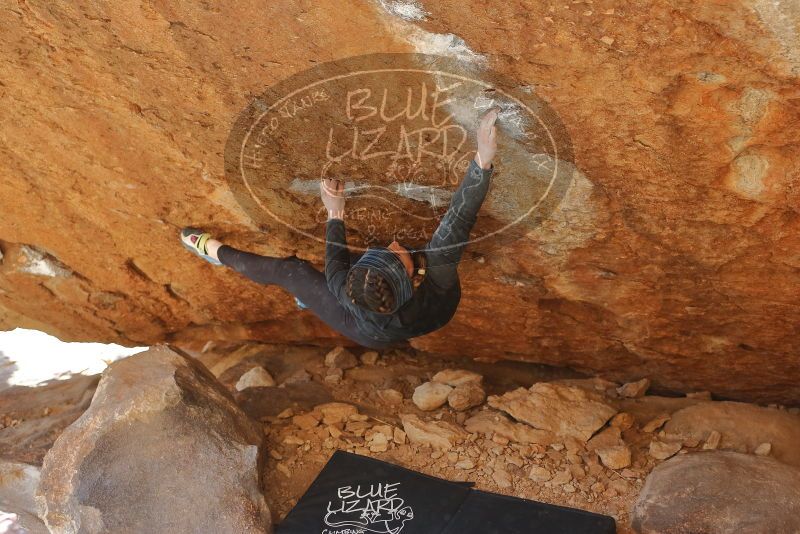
pixel 305 282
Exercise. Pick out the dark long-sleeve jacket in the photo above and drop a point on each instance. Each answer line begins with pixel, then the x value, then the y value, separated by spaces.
pixel 436 299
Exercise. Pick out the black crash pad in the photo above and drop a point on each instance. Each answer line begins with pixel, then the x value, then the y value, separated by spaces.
pixel 358 495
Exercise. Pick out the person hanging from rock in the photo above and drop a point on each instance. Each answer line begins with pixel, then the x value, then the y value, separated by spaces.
pixel 390 294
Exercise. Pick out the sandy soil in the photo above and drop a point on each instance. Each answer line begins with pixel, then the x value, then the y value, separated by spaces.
pixel 297 455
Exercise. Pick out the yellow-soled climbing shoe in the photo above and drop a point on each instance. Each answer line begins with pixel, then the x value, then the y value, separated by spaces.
pixel 195 240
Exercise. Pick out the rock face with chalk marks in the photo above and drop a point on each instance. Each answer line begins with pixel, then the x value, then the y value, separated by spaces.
pixel 672 255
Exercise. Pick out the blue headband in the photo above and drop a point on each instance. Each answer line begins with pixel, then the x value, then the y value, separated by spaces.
pixel 390 267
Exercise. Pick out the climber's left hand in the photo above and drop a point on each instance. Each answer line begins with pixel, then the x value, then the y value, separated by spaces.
pixel 332 193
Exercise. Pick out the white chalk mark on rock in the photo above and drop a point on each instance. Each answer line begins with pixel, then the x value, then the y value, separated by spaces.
pixel 42 264
pixel 434 196
pixel 405 10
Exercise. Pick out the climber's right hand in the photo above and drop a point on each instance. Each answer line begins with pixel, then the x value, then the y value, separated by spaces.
pixel 487 139
pixel 332 193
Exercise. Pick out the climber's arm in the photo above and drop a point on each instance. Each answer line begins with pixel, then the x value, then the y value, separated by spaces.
pixel 448 242
pixel 447 245
pixel 337 256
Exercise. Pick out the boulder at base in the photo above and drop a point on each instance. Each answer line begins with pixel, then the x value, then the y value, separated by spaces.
pixel 18 483
pixel 162 448
pixel 719 492
pixel 743 427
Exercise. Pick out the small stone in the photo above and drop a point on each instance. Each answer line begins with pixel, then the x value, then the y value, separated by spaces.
pixel 334 432
pixel 334 376
pixel 661 450
pixel 437 454
pixel 656 423
pixel 513 459
pixel 577 472
pixel 574 458
pixel 390 396
pixel 298 377
pixel 286 414
pixel 594 466
pixel 369 358
pixel 573 445
pixel 465 464
pixel 431 395
pixel 399 436
pixel 285 471
pixel 437 434
pixel 633 390
pixel 293 440
pixel 568 488
pixel 257 377
pixel 691 442
pixel 466 396
pixel 561 478
pixel 378 443
pixel 763 450
pixel 412 380
pixel 340 358
pixel 305 421
pixel 607 40
pixel 356 427
pixel 335 412
pixel 539 474
pixel 619 486
pixel 492 423
pixel 703 395
pixel 501 478
pixel 609 437
pixel 500 440
pixel 712 441
pixel 457 377
pixel 617 457
pixel 623 421
pixel 386 430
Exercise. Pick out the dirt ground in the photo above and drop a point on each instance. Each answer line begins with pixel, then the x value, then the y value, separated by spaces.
pixel 371 393
pixel 296 455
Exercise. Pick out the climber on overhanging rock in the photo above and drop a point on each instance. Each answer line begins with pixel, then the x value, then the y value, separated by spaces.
pixel 389 294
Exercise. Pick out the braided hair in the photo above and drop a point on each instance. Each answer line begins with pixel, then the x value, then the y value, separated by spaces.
pixel 368 289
